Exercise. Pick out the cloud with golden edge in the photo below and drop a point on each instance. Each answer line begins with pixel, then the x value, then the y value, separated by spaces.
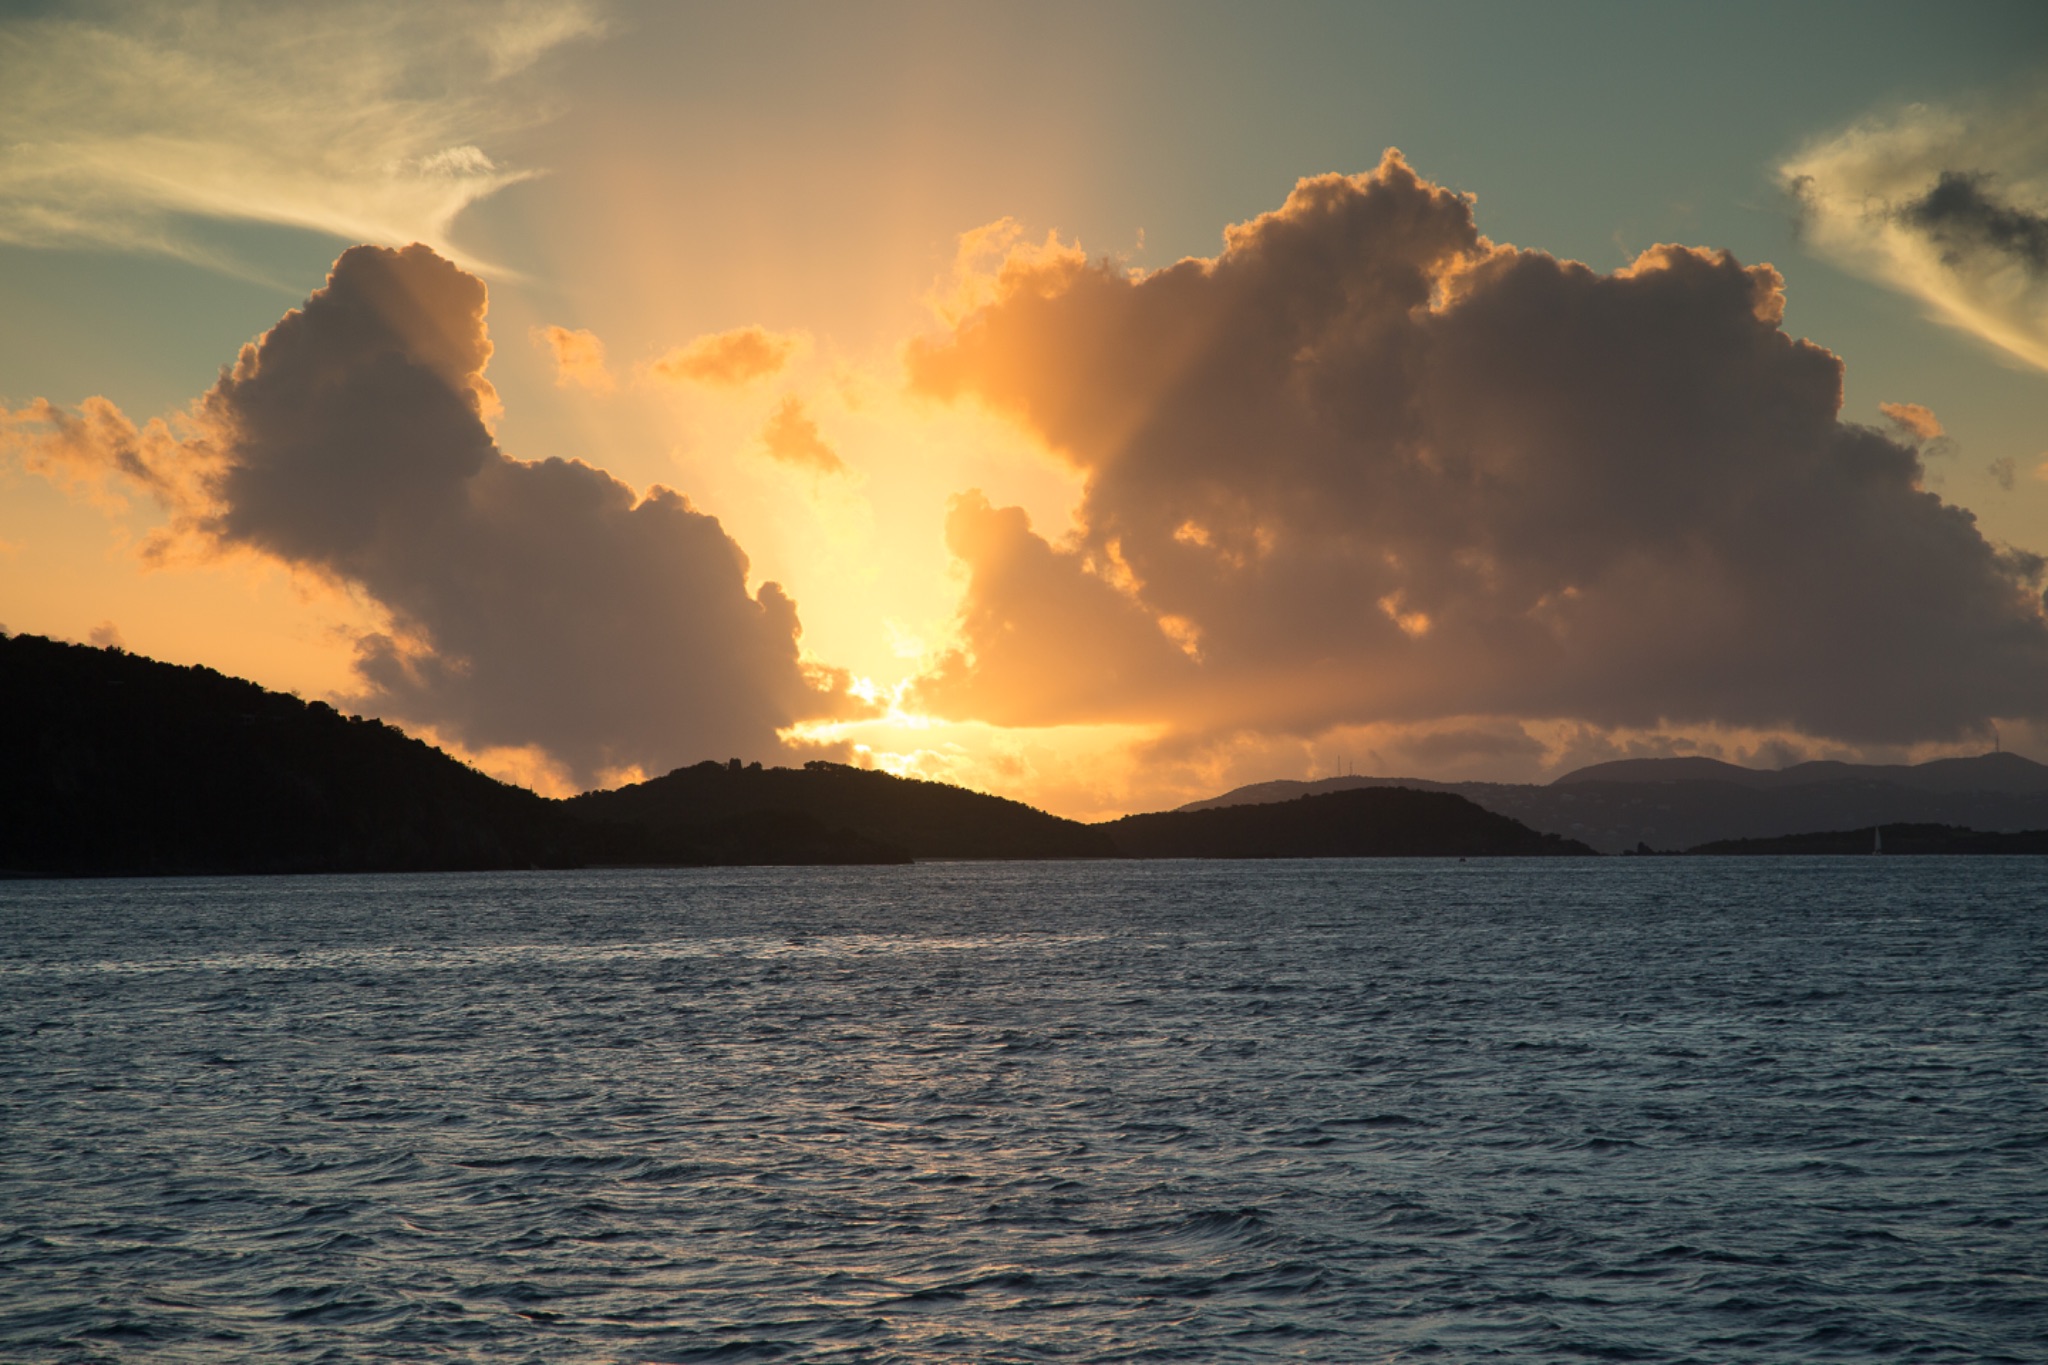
pixel 1378 469
pixel 1916 421
pixel 540 608
pixel 729 360
pixel 579 358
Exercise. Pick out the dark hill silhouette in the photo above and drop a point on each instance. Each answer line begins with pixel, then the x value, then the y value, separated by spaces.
pixel 112 764
pixel 1686 802
pixel 1899 839
pixel 926 819
pixel 1380 822
pixel 119 765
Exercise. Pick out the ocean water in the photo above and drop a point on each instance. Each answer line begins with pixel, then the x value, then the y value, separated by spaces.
pixel 1628 1110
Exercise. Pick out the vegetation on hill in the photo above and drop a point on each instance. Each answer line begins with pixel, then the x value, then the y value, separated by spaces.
pixel 120 765
pixel 1369 822
pixel 926 819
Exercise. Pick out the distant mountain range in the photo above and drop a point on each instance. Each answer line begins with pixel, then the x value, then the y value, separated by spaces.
pixel 1681 803
pixel 116 765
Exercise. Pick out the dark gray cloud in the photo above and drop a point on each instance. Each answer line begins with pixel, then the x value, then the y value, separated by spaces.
pixel 1964 217
pixel 535 603
pixel 1365 466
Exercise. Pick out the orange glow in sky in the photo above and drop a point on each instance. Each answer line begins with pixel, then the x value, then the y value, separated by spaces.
pixel 1116 428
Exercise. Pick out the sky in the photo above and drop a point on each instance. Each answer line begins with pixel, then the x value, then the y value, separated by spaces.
pixel 1103 405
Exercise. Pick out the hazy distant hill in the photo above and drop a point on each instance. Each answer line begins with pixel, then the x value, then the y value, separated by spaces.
pixel 116 764
pixel 2006 773
pixel 925 819
pixel 1383 822
pixel 1679 803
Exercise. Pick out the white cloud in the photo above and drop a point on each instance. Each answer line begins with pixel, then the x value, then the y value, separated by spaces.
pixel 370 121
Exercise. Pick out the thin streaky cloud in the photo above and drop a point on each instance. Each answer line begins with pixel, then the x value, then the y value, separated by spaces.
pixel 374 122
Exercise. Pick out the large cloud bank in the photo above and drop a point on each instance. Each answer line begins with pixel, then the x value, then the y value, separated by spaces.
pixel 1949 205
pixel 533 603
pixel 1365 467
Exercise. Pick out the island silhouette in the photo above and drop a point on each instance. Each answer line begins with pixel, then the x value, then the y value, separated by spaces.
pixel 120 765
pixel 1686 803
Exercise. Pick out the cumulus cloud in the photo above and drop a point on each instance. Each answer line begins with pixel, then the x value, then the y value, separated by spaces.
pixel 792 437
pixel 1110 659
pixel 532 603
pixel 367 119
pixel 729 360
pixel 1946 203
pixel 1365 466
pixel 579 358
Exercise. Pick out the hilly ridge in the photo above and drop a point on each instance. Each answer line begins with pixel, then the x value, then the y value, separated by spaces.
pixel 114 764
pixel 1380 822
pixel 1682 803
pixel 923 819
pixel 118 765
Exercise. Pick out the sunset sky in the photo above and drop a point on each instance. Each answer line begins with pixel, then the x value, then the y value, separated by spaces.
pixel 1102 405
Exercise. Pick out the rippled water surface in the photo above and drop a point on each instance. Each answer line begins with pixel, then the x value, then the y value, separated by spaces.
pixel 1629 1110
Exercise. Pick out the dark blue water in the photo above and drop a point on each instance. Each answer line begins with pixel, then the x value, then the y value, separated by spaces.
pixel 1641 1110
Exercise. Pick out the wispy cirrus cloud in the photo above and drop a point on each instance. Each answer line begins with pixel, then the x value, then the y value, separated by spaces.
pixel 1947 203
pixel 371 120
